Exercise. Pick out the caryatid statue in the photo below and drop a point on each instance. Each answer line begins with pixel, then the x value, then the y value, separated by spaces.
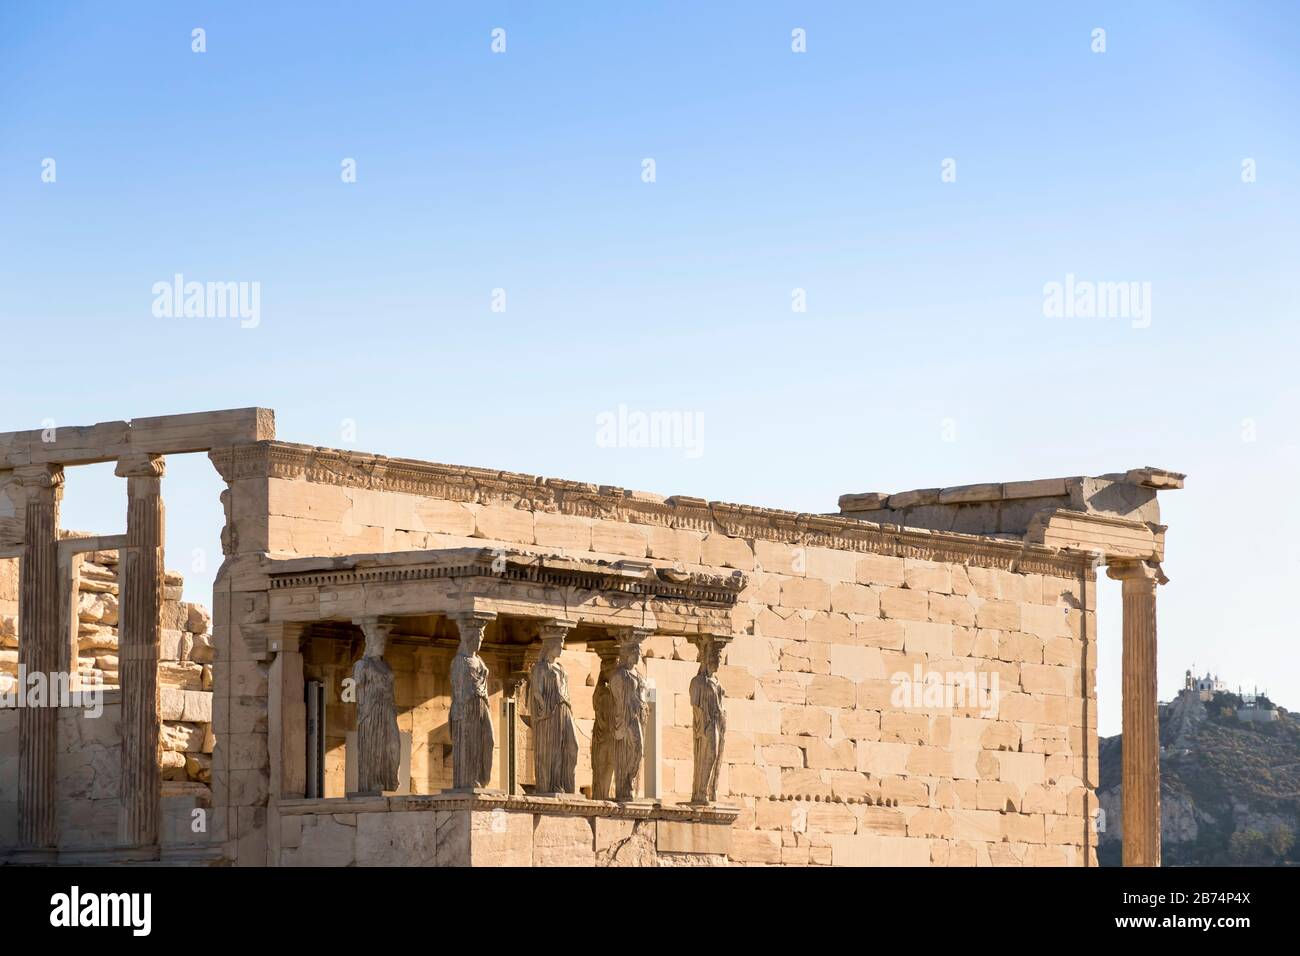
pixel 602 732
pixel 379 749
pixel 472 740
pixel 710 722
pixel 631 705
pixel 555 739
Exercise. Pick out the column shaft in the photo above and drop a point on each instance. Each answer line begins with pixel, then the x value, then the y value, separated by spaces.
pixel 39 652
pixel 1140 767
pixel 139 633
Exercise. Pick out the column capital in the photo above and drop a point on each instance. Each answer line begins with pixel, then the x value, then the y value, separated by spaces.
pixel 39 477
pixel 140 466
pixel 710 639
pixel 631 635
pixel 1137 572
pixel 555 628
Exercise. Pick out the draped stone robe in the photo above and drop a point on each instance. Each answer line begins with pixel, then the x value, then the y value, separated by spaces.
pixel 555 741
pixel 378 741
pixel 710 728
pixel 630 705
pixel 472 739
pixel 602 737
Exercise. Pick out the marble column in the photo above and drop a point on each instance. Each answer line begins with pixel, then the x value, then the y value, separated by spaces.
pixel 139 635
pixel 39 652
pixel 1140 767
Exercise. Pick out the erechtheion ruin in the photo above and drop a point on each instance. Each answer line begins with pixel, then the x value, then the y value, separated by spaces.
pixel 422 664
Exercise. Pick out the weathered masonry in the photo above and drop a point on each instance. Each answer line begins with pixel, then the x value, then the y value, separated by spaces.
pixel 423 664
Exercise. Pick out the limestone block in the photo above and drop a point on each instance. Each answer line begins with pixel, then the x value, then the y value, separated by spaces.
pixel 905 605
pixel 880 633
pixel 849 598
pixel 932 640
pixel 619 538
pixel 675 836
pixel 1045 679
pixel 997 795
pixel 719 550
pixel 859 850
pixel 832 818
pixel 831 565
pixel 827 691
pixel 1020 769
pixel 1044 622
pixel 998 615
pixel 673 544
pixel 929 822
pixel 563 841
pixel 755 846
pixel 197 707
pixel 883 759
pixel 906 728
pixel 562 531
pixel 880 821
pixel 856 662
pixel 880 569
pixel 857 724
pixel 397 838
pixel 1023 827
pixel 809 721
pixel 951 609
pixel 325 840
pixel 927 576
pixel 500 523
pixel 805 783
pixel 806 593
pixel 825 755
pixel 823 628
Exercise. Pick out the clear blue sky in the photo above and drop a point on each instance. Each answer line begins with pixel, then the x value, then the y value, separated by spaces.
pixel 775 171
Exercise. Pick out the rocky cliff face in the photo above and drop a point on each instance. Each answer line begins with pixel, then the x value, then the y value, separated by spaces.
pixel 1229 791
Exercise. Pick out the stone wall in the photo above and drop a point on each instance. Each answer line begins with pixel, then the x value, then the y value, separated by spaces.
pixel 828 765
pixel 385 833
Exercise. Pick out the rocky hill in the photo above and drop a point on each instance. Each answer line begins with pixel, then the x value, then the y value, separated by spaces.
pixel 1229 787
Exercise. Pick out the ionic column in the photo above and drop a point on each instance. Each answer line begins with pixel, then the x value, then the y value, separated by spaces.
pixel 39 652
pixel 1140 768
pixel 139 633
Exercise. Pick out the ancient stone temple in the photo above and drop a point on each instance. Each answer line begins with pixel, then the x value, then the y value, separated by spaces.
pixel 422 664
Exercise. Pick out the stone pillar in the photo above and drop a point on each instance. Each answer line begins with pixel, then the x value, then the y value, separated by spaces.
pixel 287 713
pixel 472 737
pixel 628 690
pixel 602 733
pixel 39 652
pixel 709 718
pixel 379 742
pixel 139 634
pixel 1140 769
